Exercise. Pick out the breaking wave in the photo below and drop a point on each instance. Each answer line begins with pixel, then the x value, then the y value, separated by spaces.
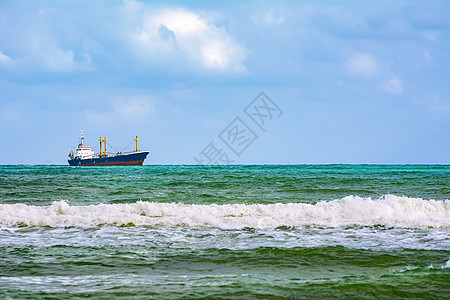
pixel 389 210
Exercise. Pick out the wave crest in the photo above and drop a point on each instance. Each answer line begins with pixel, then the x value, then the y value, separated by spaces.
pixel 389 210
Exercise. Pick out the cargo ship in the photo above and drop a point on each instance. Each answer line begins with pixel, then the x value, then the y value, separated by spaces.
pixel 85 156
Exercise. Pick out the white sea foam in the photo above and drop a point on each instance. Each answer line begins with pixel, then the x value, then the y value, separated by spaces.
pixel 389 210
pixel 447 265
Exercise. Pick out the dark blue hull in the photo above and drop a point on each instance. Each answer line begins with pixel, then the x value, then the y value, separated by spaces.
pixel 131 159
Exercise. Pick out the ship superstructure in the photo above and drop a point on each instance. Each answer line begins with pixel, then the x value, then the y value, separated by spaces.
pixel 85 156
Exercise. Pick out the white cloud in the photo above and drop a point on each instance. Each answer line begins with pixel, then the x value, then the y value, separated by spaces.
pixel 439 107
pixel 5 61
pixel 181 35
pixel 11 116
pixel 57 60
pixel 36 45
pixel 362 65
pixel 268 17
pixel 393 86
pixel 46 53
pixel 430 35
pixel 427 56
pixel 126 109
pixel 134 107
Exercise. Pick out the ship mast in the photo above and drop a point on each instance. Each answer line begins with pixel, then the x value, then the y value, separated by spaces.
pixel 136 139
pixel 81 137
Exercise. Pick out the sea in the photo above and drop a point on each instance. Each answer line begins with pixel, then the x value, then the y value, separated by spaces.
pixel 225 232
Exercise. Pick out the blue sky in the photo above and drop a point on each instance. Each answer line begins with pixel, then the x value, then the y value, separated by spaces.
pixel 357 81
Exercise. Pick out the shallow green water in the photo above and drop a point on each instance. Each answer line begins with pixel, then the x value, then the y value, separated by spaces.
pixel 337 231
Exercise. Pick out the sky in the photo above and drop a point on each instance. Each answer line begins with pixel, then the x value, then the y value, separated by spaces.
pixel 241 82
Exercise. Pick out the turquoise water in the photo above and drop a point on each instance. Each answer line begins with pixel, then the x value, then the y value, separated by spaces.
pixel 307 231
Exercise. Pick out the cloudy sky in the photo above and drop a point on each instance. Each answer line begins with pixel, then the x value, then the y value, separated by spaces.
pixel 354 81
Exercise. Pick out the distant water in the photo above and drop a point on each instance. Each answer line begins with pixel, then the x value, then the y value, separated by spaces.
pixel 246 232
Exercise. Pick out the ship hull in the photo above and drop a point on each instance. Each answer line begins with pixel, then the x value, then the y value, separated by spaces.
pixel 132 159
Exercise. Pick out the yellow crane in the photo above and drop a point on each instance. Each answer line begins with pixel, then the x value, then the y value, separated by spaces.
pixel 102 153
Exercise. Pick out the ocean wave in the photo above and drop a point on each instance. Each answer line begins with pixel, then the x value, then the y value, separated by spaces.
pixel 389 210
